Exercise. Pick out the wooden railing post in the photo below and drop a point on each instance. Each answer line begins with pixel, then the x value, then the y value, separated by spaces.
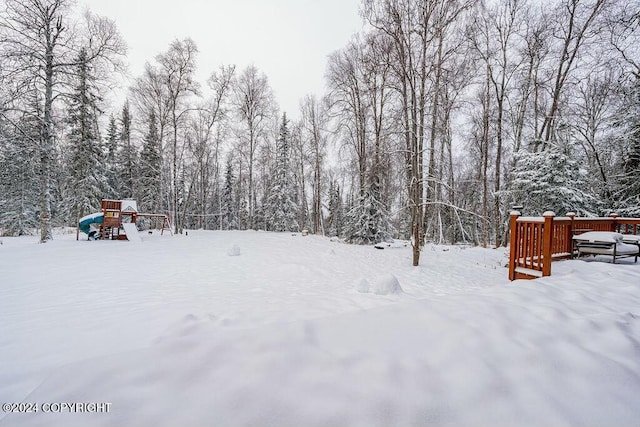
pixel 547 240
pixel 514 244
pixel 572 217
pixel 614 222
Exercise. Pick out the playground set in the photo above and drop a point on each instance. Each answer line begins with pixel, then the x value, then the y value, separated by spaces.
pixel 117 221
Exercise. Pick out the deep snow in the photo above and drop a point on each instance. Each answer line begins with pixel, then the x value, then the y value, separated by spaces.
pixel 253 328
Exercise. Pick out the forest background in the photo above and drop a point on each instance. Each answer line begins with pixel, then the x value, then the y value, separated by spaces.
pixel 440 117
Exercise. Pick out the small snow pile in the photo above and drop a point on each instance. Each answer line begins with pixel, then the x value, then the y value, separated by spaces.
pixel 362 285
pixel 234 251
pixel 386 284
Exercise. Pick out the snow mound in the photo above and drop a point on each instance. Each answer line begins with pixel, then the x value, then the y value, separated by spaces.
pixel 234 251
pixel 386 284
pixel 362 285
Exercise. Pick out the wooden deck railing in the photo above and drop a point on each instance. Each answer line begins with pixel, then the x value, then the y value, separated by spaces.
pixel 537 241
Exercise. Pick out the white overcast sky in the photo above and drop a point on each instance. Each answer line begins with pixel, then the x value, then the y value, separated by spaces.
pixel 288 40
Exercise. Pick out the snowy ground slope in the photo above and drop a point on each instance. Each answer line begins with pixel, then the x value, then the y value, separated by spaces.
pixel 251 328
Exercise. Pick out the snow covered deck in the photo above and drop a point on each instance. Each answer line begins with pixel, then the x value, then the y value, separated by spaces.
pixel 537 241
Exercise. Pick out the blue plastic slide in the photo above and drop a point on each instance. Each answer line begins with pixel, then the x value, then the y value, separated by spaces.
pixel 86 221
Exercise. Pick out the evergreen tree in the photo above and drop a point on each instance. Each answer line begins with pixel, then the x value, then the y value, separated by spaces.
pixel 148 182
pixel 551 180
pixel 629 204
pixel 628 186
pixel 368 221
pixel 242 211
pixel 280 208
pixel 111 159
pixel 380 227
pixel 87 180
pixel 259 218
pixel 126 156
pixel 18 178
pixel 112 137
pixel 336 211
pixel 228 218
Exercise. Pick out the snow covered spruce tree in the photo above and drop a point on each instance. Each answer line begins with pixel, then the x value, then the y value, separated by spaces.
pixel 111 145
pixel 627 191
pixel 228 215
pixel 18 177
pixel 126 157
pixel 280 210
pixel 148 179
pixel 368 221
pixel 87 181
pixel 551 180
pixel 336 211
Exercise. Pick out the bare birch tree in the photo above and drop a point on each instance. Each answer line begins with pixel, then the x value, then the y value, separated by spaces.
pixel 177 68
pixel 348 103
pixel 314 121
pixel 208 129
pixel 418 30
pixel 576 24
pixel 254 103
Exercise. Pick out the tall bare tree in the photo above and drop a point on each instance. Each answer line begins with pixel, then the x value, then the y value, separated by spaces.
pixel 495 39
pixel 348 101
pixel 418 30
pixel 254 103
pixel 576 24
pixel 177 68
pixel 314 121
pixel 208 129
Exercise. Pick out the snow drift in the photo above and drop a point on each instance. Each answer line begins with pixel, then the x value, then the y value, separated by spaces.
pixel 182 334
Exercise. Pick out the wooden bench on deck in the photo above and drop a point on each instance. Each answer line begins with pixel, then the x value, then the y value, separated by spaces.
pixel 612 244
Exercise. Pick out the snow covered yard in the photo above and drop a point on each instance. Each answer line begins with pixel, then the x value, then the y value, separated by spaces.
pixel 251 328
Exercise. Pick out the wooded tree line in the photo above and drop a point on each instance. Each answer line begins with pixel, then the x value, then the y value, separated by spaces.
pixel 441 116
